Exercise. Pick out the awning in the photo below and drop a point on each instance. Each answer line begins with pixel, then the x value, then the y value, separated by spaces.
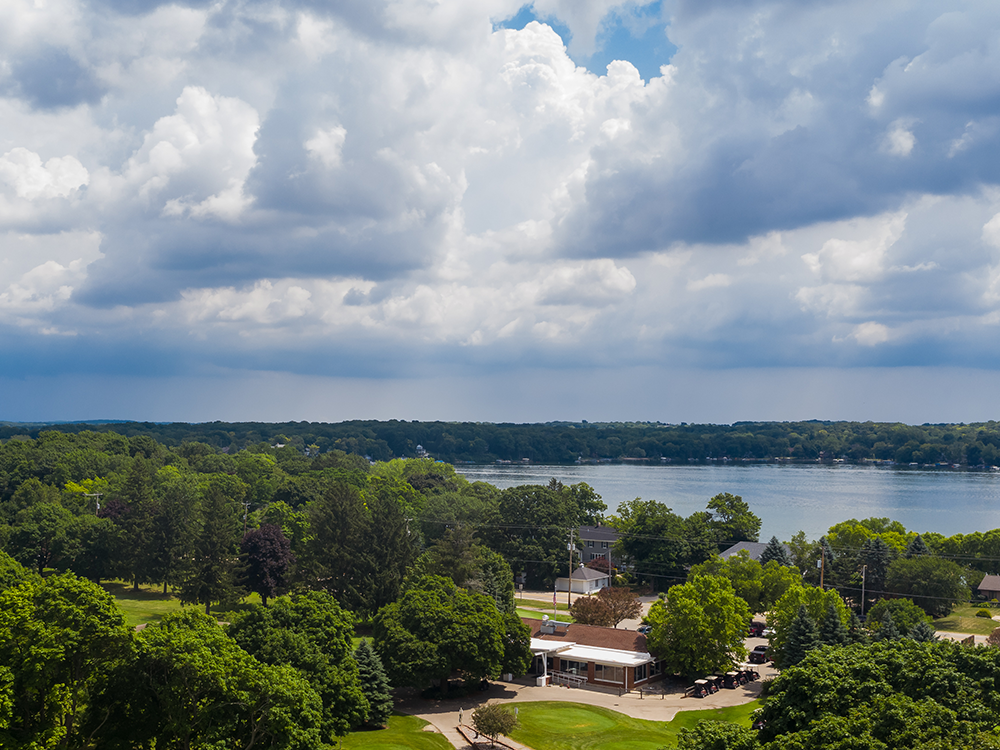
pixel 539 647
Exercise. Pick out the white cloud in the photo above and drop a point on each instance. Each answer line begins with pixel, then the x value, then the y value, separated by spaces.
pixel 899 140
pixel 195 160
pixel 871 333
pixel 326 146
pixel 56 178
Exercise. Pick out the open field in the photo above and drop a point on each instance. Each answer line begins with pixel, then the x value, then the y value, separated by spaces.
pixel 403 733
pixel 963 620
pixel 550 725
pixel 149 604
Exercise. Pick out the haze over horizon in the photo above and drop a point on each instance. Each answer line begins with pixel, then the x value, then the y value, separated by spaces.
pixel 498 211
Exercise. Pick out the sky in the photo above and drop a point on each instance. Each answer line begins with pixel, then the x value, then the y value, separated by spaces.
pixel 687 210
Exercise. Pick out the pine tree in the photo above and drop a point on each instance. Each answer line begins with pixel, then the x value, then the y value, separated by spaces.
pixel 887 630
pixel 832 632
pixel 922 633
pixel 917 547
pixel 374 684
pixel 802 638
pixel 856 629
pixel 774 551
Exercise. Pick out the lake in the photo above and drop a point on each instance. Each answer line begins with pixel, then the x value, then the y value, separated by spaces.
pixel 786 497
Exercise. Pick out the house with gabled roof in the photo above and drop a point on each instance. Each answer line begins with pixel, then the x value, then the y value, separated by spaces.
pixel 990 587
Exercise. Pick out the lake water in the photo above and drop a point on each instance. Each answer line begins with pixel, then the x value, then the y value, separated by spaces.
pixel 787 498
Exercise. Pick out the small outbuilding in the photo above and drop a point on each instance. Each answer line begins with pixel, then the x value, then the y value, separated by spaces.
pixel 584 581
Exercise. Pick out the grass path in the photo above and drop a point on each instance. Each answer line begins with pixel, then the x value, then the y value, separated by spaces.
pixel 554 725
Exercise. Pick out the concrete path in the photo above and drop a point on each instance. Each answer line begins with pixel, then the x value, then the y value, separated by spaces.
pixel 445 715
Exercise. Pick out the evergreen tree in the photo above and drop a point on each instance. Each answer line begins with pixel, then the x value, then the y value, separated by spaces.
pixel 374 684
pixel 856 629
pixel 213 568
pixel 887 630
pixel 774 551
pixel 922 632
pixel 917 547
pixel 802 638
pixel 833 632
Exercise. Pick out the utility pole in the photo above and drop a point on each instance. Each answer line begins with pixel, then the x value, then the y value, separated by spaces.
pixel 569 579
pixel 246 509
pixel 822 566
pixel 864 570
pixel 98 501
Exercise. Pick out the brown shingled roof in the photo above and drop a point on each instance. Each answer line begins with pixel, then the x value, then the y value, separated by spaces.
pixel 592 635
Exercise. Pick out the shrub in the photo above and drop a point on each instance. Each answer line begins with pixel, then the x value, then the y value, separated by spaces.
pixel 984 613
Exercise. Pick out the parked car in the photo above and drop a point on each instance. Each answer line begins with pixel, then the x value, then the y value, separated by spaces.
pixel 645 629
pixel 759 655
pixel 756 629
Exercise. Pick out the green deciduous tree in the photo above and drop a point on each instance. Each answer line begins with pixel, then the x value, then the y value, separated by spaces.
pixel 717 735
pixel 493 720
pixel 530 526
pixel 905 615
pixel 204 691
pixel 59 636
pixel 760 586
pixel 896 694
pixel 733 520
pixel 437 628
pixel 933 583
pixel 660 543
pixel 699 628
pixel 374 684
pixel 310 633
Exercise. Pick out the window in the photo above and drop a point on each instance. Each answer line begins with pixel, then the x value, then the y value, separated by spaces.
pixel 608 673
pixel 604 545
pixel 573 667
pixel 640 673
pixel 590 542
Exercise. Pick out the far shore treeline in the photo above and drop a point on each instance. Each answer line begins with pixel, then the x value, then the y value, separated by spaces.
pixel 971 445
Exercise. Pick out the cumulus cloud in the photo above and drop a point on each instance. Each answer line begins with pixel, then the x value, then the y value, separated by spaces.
pixel 801 184
pixel 56 178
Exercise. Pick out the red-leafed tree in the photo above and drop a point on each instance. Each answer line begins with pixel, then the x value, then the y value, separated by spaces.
pixel 268 556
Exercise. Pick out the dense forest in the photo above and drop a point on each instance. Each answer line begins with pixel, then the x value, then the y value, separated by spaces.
pixel 972 445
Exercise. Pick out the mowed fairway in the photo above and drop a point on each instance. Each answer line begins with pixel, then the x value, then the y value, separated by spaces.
pixel 552 725
pixel 403 733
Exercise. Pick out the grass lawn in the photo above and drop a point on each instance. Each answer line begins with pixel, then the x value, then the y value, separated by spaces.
pixel 544 606
pixel 536 614
pixel 403 732
pixel 554 725
pixel 149 604
pixel 963 620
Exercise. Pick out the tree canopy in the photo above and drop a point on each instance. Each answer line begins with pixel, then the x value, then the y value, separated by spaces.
pixel 699 627
pixel 436 629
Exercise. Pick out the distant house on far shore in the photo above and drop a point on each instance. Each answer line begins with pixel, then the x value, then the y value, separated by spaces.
pixel 990 587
